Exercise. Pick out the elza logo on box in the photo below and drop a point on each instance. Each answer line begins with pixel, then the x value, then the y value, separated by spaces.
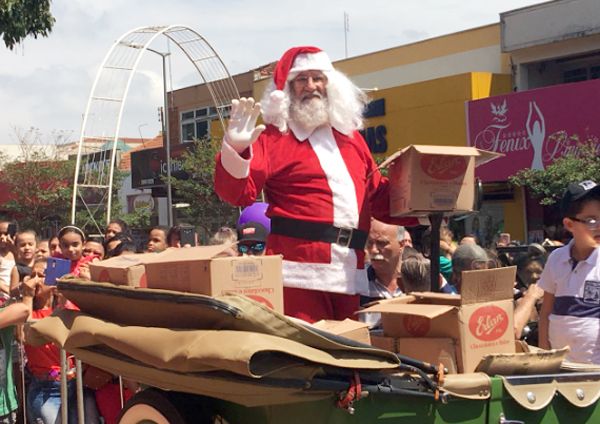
pixel 488 323
pixel 416 326
pixel 444 167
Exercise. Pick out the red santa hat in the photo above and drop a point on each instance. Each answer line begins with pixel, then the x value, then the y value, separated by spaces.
pixel 298 59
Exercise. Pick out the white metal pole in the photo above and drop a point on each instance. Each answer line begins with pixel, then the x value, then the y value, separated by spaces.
pixel 79 385
pixel 167 142
pixel 64 369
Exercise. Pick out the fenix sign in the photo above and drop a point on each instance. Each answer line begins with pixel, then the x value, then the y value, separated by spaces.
pixel 533 128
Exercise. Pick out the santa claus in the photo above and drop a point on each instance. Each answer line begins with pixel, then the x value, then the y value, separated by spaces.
pixel 319 177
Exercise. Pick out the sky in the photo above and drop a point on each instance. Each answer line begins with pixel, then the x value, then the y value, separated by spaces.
pixel 45 82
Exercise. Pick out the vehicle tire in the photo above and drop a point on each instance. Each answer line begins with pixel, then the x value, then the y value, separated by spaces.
pixel 161 407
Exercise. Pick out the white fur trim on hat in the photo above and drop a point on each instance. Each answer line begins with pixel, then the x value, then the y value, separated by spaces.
pixel 310 62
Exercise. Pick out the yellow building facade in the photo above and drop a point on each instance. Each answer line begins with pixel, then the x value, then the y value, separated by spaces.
pixel 419 93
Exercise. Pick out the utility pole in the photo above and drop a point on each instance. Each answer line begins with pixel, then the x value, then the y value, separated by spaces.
pixel 166 139
pixel 346 31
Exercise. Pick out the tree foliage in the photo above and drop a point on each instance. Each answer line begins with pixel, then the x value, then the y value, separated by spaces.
pixel 41 186
pixel 22 18
pixel 139 218
pixel 206 210
pixel 38 184
pixel 40 190
pixel 549 184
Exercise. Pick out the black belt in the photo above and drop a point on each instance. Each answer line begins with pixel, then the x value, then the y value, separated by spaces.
pixel 318 231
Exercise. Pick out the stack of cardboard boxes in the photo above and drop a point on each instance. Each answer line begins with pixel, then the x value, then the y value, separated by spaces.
pixel 455 330
pixel 201 270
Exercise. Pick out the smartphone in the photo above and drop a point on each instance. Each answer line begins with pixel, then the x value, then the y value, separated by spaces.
pixel 55 269
pixel 12 230
pixel 187 236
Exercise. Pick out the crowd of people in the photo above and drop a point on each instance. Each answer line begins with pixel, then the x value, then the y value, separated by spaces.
pixel 395 267
pixel 31 374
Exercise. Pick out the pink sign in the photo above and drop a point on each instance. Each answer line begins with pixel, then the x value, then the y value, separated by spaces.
pixel 534 128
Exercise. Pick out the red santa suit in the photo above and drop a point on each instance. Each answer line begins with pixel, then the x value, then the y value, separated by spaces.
pixel 327 176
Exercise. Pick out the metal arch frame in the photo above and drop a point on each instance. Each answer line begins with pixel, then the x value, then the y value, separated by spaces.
pixel 221 97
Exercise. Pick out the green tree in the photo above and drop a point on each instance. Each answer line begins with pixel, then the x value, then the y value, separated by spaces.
pixel 40 189
pixel 22 18
pixel 39 184
pixel 583 163
pixel 206 210
pixel 139 218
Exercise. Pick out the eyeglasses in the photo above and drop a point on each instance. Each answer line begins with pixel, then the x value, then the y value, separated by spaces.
pixel 255 248
pixel 591 223
pixel 303 79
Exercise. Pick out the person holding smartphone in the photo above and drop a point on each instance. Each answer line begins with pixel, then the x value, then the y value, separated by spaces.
pixel 43 363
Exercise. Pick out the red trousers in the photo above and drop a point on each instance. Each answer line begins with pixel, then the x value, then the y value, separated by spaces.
pixel 314 305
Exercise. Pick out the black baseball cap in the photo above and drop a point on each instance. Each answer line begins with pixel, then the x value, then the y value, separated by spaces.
pixel 252 231
pixel 576 192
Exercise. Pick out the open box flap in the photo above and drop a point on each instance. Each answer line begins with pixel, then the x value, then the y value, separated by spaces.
pixel 426 311
pixel 188 253
pixel 125 261
pixel 481 156
pixel 487 285
pixel 396 300
pixel 437 298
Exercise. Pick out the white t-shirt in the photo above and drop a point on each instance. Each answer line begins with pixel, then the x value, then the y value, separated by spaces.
pixel 575 317
pixel 6 266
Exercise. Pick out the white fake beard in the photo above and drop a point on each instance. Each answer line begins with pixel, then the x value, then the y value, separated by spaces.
pixel 309 114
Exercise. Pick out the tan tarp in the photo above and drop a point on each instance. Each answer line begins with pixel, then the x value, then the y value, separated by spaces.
pixel 230 348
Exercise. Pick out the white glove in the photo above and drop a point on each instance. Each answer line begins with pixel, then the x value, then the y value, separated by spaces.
pixel 242 130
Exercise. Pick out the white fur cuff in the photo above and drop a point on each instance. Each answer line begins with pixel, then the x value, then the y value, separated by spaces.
pixel 233 163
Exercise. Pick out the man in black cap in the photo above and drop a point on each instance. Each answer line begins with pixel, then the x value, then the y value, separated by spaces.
pixel 252 239
pixel 571 279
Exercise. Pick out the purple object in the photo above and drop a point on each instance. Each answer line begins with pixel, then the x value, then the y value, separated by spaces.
pixel 255 213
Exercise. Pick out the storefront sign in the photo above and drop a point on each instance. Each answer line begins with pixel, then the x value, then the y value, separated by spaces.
pixel 534 128
pixel 376 136
pixel 147 167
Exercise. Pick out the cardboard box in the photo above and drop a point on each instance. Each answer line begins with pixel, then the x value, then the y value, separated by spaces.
pixel 353 330
pixel 125 270
pixel 384 342
pixel 425 179
pixel 480 319
pixel 201 270
pixel 433 350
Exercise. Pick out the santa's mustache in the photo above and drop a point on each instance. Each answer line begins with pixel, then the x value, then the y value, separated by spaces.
pixel 313 95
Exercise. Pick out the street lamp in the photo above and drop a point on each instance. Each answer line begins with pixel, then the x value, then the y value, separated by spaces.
pixel 165 126
pixel 166 139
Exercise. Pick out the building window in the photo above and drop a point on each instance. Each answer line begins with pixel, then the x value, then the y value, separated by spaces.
pixel 574 75
pixel 196 123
